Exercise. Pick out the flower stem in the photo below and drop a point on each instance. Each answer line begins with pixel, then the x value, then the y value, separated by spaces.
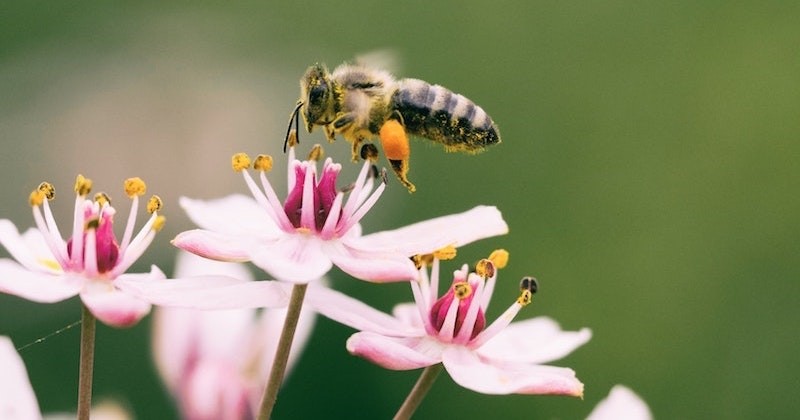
pixel 88 322
pixel 282 352
pixel 421 388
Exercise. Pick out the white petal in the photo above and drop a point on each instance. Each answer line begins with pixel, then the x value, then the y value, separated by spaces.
pixel 356 314
pixel 235 214
pixel 408 314
pixel 112 306
pixel 37 286
pixel 371 266
pixel 295 258
pixel 469 371
pixel 214 245
pixel 17 400
pixel 535 340
pixel 29 249
pixel 263 340
pixel 394 353
pixel 431 235
pixel 621 403
pixel 188 265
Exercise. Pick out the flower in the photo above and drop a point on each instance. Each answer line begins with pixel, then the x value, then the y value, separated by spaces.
pixel 621 403
pixel 499 358
pixel 90 263
pixel 300 239
pixel 215 363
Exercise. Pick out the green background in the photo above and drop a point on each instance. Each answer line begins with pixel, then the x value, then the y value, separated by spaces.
pixel 648 172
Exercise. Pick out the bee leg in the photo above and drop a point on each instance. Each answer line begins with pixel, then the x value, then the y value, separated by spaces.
pixel 329 133
pixel 397 150
pixel 355 151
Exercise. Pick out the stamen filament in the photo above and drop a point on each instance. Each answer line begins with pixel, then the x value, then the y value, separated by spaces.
pixel 61 252
pixel 449 324
pixel 416 290
pixel 279 214
pixel 353 201
pixel 126 237
pixel 307 216
pixel 329 228
pixel 468 325
pixel 434 289
pixel 362 211
pixel 90 257
pixel 496 326
pixel 76 248
pixel 49 238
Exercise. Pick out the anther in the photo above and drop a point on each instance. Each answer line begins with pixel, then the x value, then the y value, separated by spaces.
pixel 102 198
pixel 263 163
pixel 528 286
pixel 291 139
pixel 36 198
pixel 83 186
pixel 485 268
pixel 499 257
pixel 135 187
pixel 92 223
pixel 47 189
pixel 421 260
pixel 240 162
pixel 154 204
pixel 462 290
pixel 369 151
pixel 316 153
pixel 158 223
pixel 446 253
pixel 384 179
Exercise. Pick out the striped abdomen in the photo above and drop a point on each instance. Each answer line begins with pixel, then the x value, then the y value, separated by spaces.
pixel 436 113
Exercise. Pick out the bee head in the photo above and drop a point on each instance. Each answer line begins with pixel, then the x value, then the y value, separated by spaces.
pixel 317 95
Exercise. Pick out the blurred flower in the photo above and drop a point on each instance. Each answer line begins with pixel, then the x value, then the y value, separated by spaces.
pixel 215 363
pixel 500 358
pixel 90 263
pixel 300 239
pixel 621 403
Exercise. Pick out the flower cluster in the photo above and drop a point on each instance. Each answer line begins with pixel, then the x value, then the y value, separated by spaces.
pixel 223 342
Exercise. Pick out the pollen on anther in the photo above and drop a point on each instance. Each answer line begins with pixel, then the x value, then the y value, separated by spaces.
pixel 462 290
pixel 485 268
pixel 263 163
pixel 369 151
pixel 240 162
pixel 36 198
pixel 316 153
pixel 446 253
pixel 83 185
pixel 499 257
pixel 135 187
pixel 158 223
pixel 528 286
pixel 47 189
pixel 291 139
pixel 154 204
pixel 102 198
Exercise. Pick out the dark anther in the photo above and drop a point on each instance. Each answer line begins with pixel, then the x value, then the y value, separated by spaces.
pixel 530 284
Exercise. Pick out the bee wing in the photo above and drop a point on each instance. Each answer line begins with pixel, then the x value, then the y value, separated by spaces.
pixel 385 59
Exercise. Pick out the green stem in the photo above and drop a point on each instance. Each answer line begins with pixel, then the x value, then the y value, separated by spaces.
pixel 88 323
pixel 417 394
pixel 282 352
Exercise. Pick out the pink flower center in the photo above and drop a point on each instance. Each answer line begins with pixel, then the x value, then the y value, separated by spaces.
pixel 106 245
pixel 323 195
pixel 462 291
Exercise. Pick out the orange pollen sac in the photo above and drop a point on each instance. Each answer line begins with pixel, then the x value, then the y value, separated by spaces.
pixel 394 140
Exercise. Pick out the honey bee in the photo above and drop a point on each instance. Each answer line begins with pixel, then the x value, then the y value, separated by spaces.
pixel 362 102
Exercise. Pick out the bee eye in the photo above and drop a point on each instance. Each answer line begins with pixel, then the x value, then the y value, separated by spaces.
pixel 317 93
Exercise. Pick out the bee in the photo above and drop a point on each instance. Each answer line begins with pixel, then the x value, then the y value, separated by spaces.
pixel 361 103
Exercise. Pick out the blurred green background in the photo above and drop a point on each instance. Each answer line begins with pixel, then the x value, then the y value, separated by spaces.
pixel 648 171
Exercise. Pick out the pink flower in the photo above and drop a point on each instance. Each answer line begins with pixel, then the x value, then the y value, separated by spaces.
pixel 496 358
pixel 17 400
pixel 621 403
pixel 301 238
pixel 90 263
pixel 215 363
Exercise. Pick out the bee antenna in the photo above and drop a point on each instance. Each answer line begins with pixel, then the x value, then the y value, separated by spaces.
pixel 293 118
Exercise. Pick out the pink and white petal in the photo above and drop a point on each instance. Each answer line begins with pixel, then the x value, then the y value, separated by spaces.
pixel 468 370
pixel 431 235
pixel 17 400
pixel 262 341
pixel 113 307
pixel 236 214
pixel 29 249
pixel 215 245
pixel 294 258
pixel 535 340
pixel 189 265
pixel 356 314
pixel 621 403
pixel 207 292
pixel 408 314
pixel 37 286
pixel 395 353
pixel 377 267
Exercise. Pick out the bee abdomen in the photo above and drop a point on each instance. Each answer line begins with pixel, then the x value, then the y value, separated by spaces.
pixel 436 113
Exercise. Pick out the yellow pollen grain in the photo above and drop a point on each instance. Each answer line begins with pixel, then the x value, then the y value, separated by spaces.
pixel 462 290
pixel 240 162
pixel 158 223
pixel 303 230
pixel 135 187
pixel 499 257
pixel 102 198
pixel 485 268
pixel 154 204
pixel 446 253
pixel 291 140
pixel 48 189
pixel 83 185
pixel 51 264
pixel 36 198
pixel 422 260
pixel 263 163
pixel 316 153
pixel 525 298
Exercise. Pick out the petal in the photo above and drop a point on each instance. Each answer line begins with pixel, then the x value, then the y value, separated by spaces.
pixel 17 400
pixel 469 371
pixel 112 306
pixel 235 214
pixel 394 353
pixel 535 340
pixel 264 337
pixel 295 258
pixel 188 264
pixel 371 266
pixel 214 245
pixel 356 314
pixel 36 286
pixel 621 403
pixel 430 235
pixel 409 314
pixel 29 249
pixel 207 292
